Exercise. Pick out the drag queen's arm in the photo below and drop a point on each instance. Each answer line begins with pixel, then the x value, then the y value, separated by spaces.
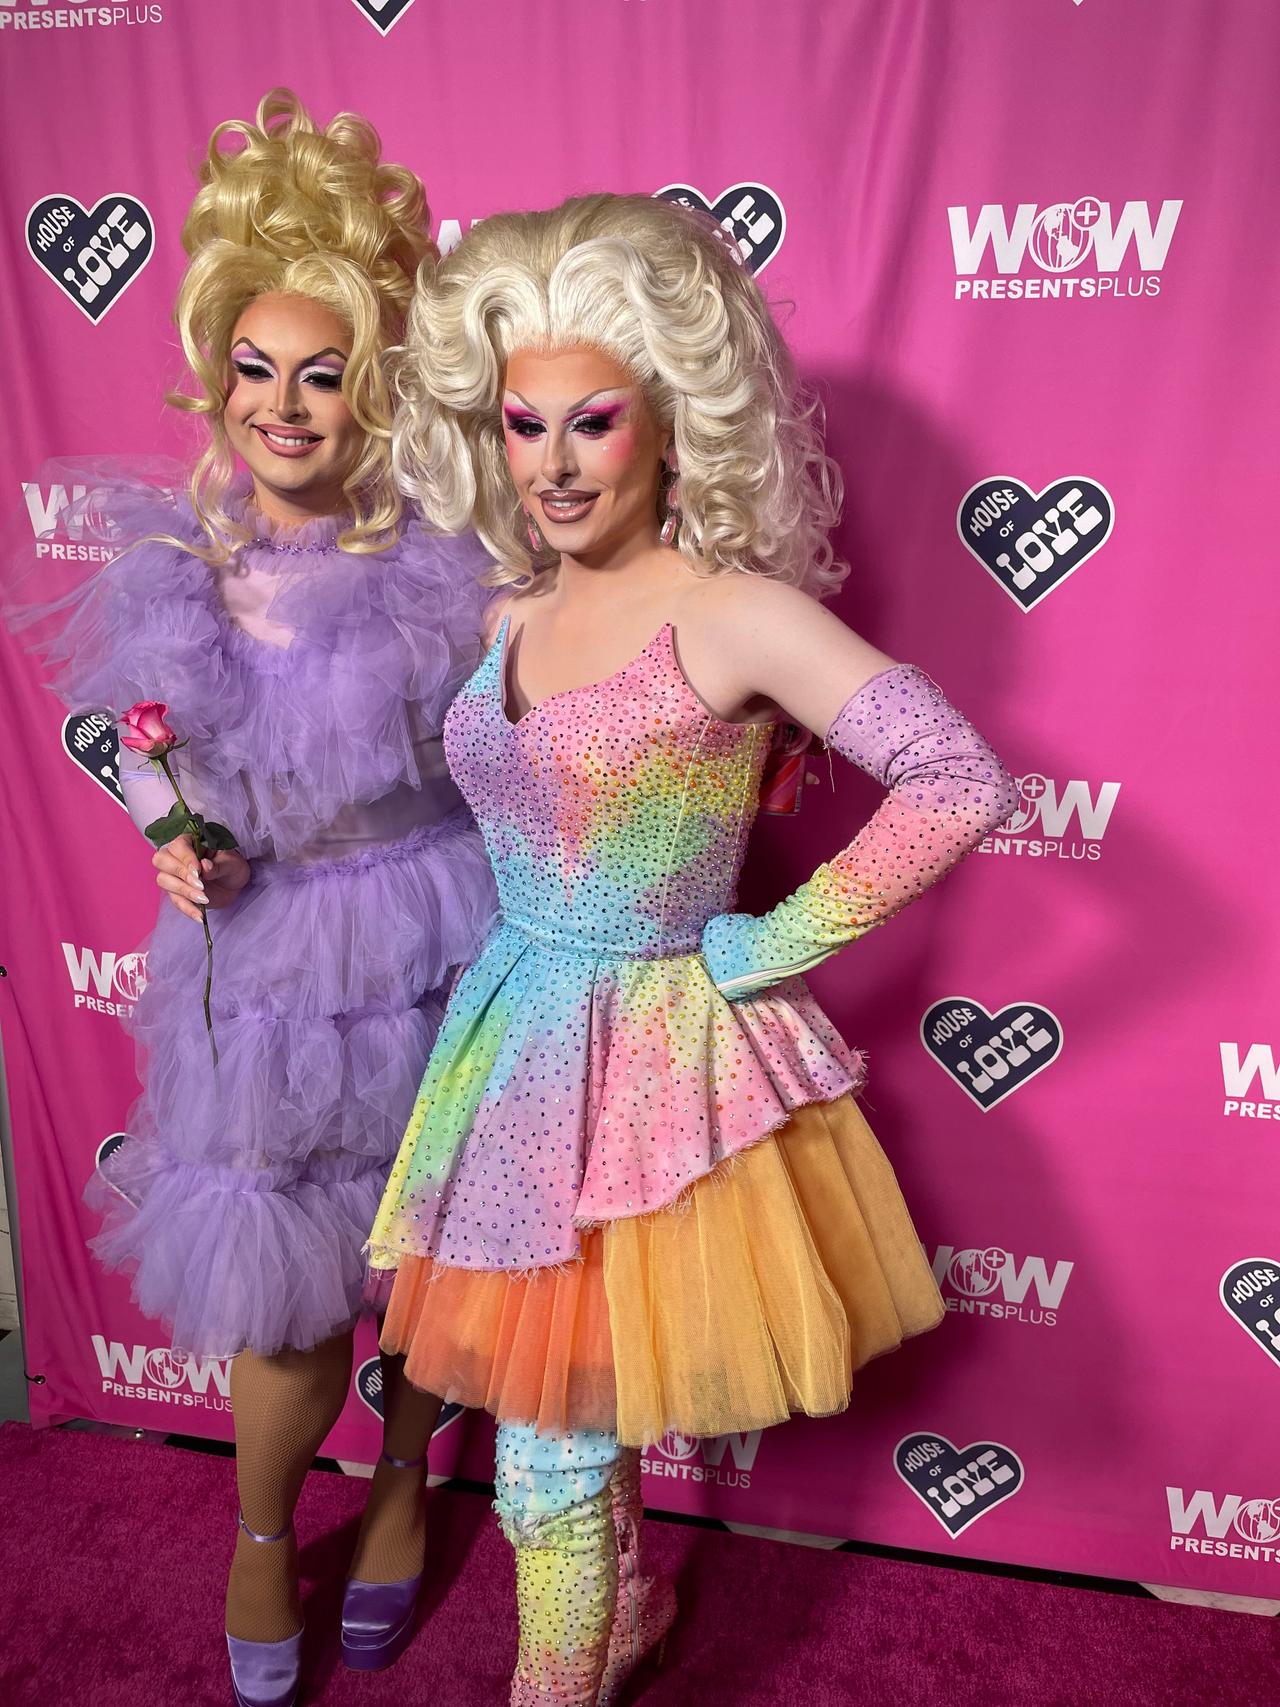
pixel 148 796
pixel 947 788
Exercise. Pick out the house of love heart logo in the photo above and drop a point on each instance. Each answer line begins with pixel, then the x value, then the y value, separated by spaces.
pixel 106 1150
pixel 369 1387
pixel 93 255
pixel 1250 1290
pixel 750 213
pixel 1029 542
pixel 89 738
pixel 957 1485
pixel 990 1055
pixel 382 14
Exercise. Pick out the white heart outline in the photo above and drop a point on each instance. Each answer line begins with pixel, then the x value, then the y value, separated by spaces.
pixel 1270 1354
pixel 973 1002
pixel 384 30
pixel 67 721
pixel 126 195
pixel 991 1505
pixel 756 184
pixel 98 1160
pixel 1061 480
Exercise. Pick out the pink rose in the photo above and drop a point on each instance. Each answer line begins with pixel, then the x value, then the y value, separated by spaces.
pixel 143 729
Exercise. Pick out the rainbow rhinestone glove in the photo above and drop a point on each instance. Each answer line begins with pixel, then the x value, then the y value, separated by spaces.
pixel 947 789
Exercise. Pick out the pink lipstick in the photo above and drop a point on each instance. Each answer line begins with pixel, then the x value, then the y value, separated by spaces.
pixel 288 441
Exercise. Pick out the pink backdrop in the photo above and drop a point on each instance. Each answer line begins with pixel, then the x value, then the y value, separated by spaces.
pixel 1031 248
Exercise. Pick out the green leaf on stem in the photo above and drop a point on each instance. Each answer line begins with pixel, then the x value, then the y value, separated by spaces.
pixel 176 822
pixel 216 837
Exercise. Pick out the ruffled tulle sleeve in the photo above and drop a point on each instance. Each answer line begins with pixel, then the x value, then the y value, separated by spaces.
pixel 79 584
pixel 281 737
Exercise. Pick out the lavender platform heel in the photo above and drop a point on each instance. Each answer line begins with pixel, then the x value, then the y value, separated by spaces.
pixel 265 1674
pixel 378 1618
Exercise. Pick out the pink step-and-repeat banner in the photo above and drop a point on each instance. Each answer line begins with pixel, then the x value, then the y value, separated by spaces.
pixel 1028 250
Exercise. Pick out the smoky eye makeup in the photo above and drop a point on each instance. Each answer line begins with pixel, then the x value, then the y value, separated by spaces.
pixel 522 422
pixel 592 422
pixel 601 418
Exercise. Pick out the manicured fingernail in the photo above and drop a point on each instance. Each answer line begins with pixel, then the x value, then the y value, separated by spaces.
pixel 195 878
pixel 200 900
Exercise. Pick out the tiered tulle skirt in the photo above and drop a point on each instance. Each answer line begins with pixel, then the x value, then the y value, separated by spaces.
pixel 756 1295
pixel 242 1198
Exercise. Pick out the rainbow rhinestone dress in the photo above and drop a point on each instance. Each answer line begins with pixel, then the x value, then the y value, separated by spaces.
pixel 588 1067
pixel 589 1079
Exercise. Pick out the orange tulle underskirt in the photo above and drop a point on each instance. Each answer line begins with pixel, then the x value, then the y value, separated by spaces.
pixel 756 1296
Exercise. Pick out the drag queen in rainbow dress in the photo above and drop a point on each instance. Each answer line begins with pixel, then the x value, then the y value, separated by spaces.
pixel 637 1194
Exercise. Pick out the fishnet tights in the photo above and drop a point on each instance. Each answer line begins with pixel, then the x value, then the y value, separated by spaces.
pixel 284 1407
pixel 393 1532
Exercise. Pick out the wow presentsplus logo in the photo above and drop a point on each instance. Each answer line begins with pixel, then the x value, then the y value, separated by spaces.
pixel 1230 1527
pixel 59 537
pixel 164 1375
pixel 105 983
pixel 1087 249
pixel 1243 1069
pixel 681 1458
pixel 50 15
pixel 1055 820
pixel 991 1281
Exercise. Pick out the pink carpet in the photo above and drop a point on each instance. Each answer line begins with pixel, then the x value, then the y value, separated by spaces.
pixel 113 1556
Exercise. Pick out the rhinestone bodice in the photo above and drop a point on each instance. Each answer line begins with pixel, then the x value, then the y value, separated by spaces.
pixel 615 814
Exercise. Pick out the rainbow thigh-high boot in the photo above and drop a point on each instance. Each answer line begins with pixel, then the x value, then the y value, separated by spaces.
pixel 570 1506
pixel 555 1503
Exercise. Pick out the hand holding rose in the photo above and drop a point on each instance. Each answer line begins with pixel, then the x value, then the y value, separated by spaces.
pixel 197 862
pixel 193 884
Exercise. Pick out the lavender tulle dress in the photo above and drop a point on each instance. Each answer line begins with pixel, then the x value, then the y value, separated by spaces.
pixel 312 685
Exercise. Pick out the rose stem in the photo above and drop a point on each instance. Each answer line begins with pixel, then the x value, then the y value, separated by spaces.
pixel 198 845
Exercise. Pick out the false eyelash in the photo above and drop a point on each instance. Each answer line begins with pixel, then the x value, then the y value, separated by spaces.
pixel 324 378
pixel 250 370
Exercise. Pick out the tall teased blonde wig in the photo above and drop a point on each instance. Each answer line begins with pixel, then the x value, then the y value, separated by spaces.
pixel 317 213
pixel 660 289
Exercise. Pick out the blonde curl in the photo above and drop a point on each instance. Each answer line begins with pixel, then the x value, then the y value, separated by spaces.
pixel 663 291
pixel 311 212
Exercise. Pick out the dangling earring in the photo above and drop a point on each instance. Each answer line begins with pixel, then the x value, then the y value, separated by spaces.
pixel 671 522
pixel 537 545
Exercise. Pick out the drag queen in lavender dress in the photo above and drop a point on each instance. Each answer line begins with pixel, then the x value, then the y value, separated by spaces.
pixel 307 637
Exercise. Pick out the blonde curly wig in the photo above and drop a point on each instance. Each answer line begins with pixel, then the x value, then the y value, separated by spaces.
pixel 662 290
pixel 314 212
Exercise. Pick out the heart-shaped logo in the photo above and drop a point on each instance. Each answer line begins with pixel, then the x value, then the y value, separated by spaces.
pixel 750 213
pixel 958 1487
pixel 1251 1292
pixel 382 14
pixel 1031 541
pixel 96 256
pixel 108 1147
pixel 106 1150
pixel 369 1387
pixel 90 738
pixel 990 1055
